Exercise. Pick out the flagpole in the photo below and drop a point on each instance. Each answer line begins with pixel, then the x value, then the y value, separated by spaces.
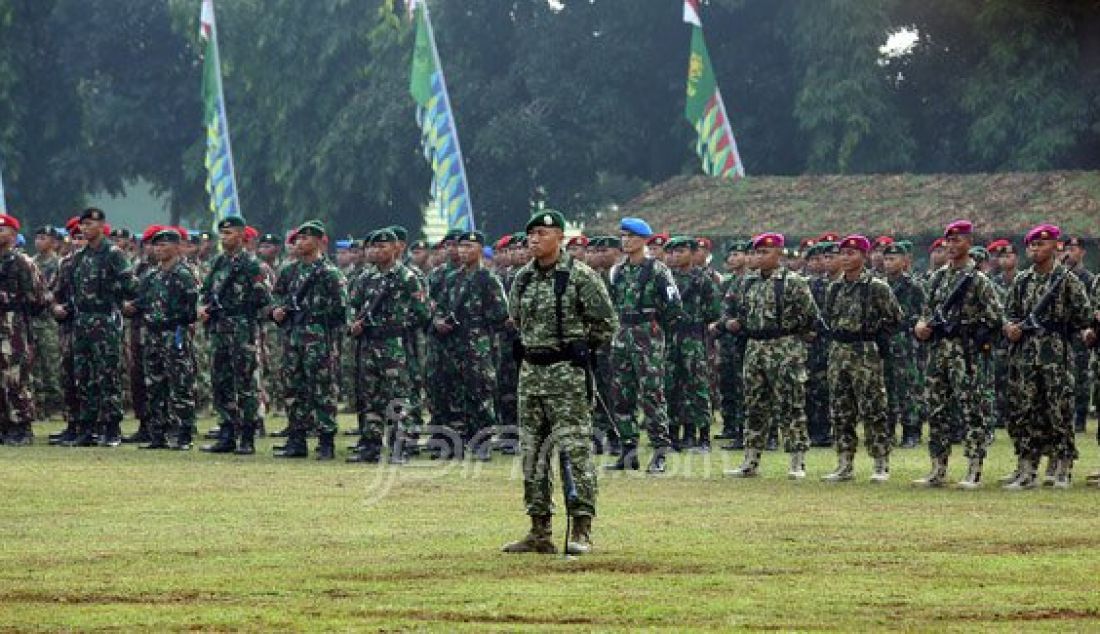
pixel 222 112
pixel 450 112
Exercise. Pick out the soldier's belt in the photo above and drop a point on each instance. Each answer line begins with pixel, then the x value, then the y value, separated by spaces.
pixel 383 332
pixel 236 311
pixel 162 326
pixel 636 319
pixel 697 329
pixel 768 334
pixel 547 356
pixel 842 336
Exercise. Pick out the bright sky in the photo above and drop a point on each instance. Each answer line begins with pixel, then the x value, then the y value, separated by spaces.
pixel 900 42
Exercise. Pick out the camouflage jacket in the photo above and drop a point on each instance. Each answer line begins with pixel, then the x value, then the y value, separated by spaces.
pixel 475 299
pixel 100 279
pixel 47 266
pixel 634 292
pixel 167 298
pixel 311 293
pixel 238 285
pixel 979 310
pixel 391 299
pixel 760 312
pixel 864 308
pixel 910 295
pixel 1068 313
pixel 700 299
pixel 587 317
pixel 22 294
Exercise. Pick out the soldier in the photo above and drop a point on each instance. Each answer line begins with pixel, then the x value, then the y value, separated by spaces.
pixel 819 265
pixel 441 380
pixel 778 314
pixel 647 300
pixel 101 281
pixel 577 246
pixel 22 296
pixel 688 376
pixel 62 286
pixel 165 303
pixel 145 265
pixel 961 313
pixel 235 294
pixel 387 304
pixel 310 301
pixel 47 355
pixel 1005 254
pixel 563 312
pixel 418 258
pixel 601 258
pixel 861 313
pixel 507 364
pixel 470 314
pixel 1082 380
pixel 902 388
pixel 271 343
pixel 731 349
pixel 1047 307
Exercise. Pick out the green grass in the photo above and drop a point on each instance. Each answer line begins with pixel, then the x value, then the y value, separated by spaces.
pixel 125 539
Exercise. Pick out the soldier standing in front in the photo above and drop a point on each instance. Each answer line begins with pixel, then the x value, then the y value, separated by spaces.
pixel 22 295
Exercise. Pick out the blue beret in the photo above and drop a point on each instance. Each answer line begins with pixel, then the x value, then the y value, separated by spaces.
pixel 343 244
pixel 637 226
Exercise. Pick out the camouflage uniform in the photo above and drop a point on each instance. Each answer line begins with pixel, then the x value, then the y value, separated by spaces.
pixel 22 295
pixel 391 304
pixel 167 300
pixel 271 355
pixel 1082 378
pixel 201 340
pixel 477 302
pixel 236 294
pixel 440 381
pixel 818 423
pixel 775 357
pixel 62 287
pixel 603 420
pixel 688 373
pixel 952 360
pixel 47 352
pixel 315 298
pixel 101 280
pixel 860 314
pixel 647 300
pixel 1040 389
pixel 507 369
pixel 903 392
pixel 731 365
pixel 550 390
pixel 134 350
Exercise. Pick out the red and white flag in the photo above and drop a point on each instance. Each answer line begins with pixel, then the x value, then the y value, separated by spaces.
pixel 691 12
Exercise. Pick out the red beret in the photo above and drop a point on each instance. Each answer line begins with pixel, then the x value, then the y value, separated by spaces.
pixel 768 240
pixel 829 236
pixel 705 243
pixel 106 229
pixel 856 241
pixel 250 233
pixel 1042 232
pixel 150 231
pixel 577 241
pixel 184 233
pixel 936 244
pixel 9 221
pixel 959 228
pixel 883 241
pixel 807 243
pixel 657 239
pixel 72 223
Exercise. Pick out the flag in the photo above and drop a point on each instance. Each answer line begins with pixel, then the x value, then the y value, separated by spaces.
pixel 438 134
pixel 221 181
pixel 705 109
pixel 3 203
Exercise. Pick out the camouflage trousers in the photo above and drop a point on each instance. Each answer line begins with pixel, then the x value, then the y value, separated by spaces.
pixel 415 351
pixel 271 363
pixel 68 375
pixel 16 401
pixel 507 383
pixel 1040 399
pixel 1082 396
pixel 440 378
pixel 134 349
pixel 168 367
pixel 97 348
pixel 818 423
pixel 638 368
pixel 902 392
pixel 47 367
pixel 858 393
pixel 775 392
pixel 952 390
pixel 602 418
pixel 234 369
pixel 549 424
pixel 473 404
pixel 731 386
pixel 347 371
pixel 203 387
pixel 382 385
pixel 688 384
pixel 309 377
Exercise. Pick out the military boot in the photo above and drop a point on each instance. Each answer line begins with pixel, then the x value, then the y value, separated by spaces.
pixel 83 436
pixel 797 469
pixel 773 440
pixel 66 435
pixel 539 540
pixel 843 471
pixel 737 441
pixel 1027 478
pixel 112 434
pixel 1005 479
pixel 282 433
pixel 750 466
pixel 614 447
pixel 295 446
pixel 367 451
pixel 21 436
pixel 910 437
pixel 246 446
pixel 1063 474
pixel 183 439
pixel 687 443
pixel 704 440
pixel 326 445
pixel 880 472
pixel 674 436
pixel 225 443
pixel 1051 470
pixel 156 441
pixel 937 476
pixel 580 538
pixel 973 479
pixel 139 436
pixel 657 462
pixel 628 458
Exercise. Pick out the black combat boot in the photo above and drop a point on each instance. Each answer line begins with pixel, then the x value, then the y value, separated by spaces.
pixel 628 458
pixel 246 446
pixel 704 440
pixel 156 441
pixel 773 440
pixel 369 451
pixel 184 438
pixel 657 462
pixel 674 436
pixel 326 446
pixel 83 436
pixel 737 440
pixel 687 443
pixel 139 436
pixel 225 442
pixel 295 446
pixel 112 434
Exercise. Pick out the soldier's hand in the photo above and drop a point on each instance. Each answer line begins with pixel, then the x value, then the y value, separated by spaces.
pixel 441 326
pixel 1089 337
pixel 921 331
pixel 715 328
pixel 60 312
pixel 129 309
pixel 356 328
pixel 279 314
pixel 1012 332
pixel 203 314
pixel 733 326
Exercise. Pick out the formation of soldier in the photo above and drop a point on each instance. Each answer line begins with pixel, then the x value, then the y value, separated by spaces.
pixel 790 348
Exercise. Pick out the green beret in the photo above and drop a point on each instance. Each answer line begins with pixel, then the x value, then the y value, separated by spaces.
pixel 93 213
pixel 897 248
pixel 382 236
pixel 312 228
pixel 681 242
pixel 452 235
pixel 546 218
pixel 235 222
pixel 419 244
pixel 828 248
pixel 979 253
pixel 472 236
pixel 271 238
pixel 906 246
pixel 165 235
pixel 401 232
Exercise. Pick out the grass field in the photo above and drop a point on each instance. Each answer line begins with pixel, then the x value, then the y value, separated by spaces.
pixel 126 539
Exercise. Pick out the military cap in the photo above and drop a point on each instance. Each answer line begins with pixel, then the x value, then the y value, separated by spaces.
pixel 382 236
pixel 578 241
pixel 657 240
pixel 857 242
pixel 270 238
pixel 829 236
pixel 704 243
pixel 637 226
pixel 250 233
pixel 882 242
pixel 9 221
pixel 150 231
pixel 452 235
pixel 829 247
pixel 768 240
pixel 231 222
pixel 166 234
pixel 1075 241
pixel 546 218
pixel 312 228
pixel 613 242
pixel 979 253
pixel 401 232
pixel 1042 232
pixel 123 233
pixel 48 230
pixel 811 250
pixel 997 246
pixel 92 213
pixel 681 242
pixel 472 236
pixel 959 228
pixel 418 244
pixel 936 244
pixel 896 248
